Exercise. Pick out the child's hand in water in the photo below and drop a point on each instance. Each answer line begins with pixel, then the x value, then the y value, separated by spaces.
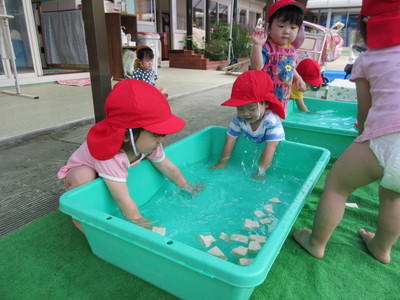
pixel 259 174
pixel 219 165
pixel 259 36
pixel 143 222
pixel 193 189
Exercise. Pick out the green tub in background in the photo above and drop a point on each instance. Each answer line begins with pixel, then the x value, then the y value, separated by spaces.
pixel 185 269
pixel 331 125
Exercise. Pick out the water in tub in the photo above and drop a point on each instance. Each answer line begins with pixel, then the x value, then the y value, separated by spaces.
pixel 325 118
pixel 229 197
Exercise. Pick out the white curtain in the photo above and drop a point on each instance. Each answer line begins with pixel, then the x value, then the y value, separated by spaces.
pixel 64 37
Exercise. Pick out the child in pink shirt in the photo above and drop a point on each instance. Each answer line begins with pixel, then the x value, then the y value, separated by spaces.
pixel 375 154
pixel 273 51
pixel 137 118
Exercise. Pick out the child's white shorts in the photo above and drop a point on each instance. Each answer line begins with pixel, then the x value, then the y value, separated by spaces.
pixel 387 150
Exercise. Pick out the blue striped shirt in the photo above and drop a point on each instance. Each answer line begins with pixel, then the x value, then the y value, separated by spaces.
pixel 270 129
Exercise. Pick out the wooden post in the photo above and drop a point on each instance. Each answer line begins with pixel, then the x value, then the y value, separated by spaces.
pixel 208 36
pixel 189 24
pixel 96 43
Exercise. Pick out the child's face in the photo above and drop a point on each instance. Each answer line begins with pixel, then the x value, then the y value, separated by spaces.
pixel 146 64
pixel 148 141
pixel 283 33
pixel 251 112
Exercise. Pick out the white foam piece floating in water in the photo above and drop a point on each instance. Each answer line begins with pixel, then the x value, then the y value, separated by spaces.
pixel 206 240
pixel 353 205
pixel 244 261
pixel 224 236
pixel 266 221
pixel 240 251
pixel 269 208
pixel 259 214
pixel 240 238
pixel 159 230
pixel 254 246
pixel 274 200
pixel 250 224
pixel 258 238
pixel 217 252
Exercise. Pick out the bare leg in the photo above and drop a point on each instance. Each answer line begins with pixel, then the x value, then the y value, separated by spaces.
pixel 380 243
pixel 301 105
pixel 356 167
pixel 76 177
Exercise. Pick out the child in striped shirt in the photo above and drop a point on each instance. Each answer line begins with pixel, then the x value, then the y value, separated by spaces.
pixel 259 115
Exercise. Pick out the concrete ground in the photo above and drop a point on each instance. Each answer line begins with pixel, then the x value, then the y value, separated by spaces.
pixel 60 106
pixel 28 183
pixel 37 137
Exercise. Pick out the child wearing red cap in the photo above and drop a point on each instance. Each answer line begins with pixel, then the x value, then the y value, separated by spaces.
pixel 375 154
pixel 137 118
pixel 259 115
pixel 273 51
pixel 310 72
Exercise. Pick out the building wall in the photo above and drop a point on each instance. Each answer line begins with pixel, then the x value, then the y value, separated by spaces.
pixel 56 5
pixel 333 3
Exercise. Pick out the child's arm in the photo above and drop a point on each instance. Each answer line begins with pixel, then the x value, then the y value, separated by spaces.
pixel 266 158
pixel 120 193
pixel 364 102
pixel 300 84
pixel 169 169
pixel 259 38
pixel 298 97
pixel 226 152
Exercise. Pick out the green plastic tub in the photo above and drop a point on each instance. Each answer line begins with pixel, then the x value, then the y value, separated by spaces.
pixel 331 125
pixel 177 262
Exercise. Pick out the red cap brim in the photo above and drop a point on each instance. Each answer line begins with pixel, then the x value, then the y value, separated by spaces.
pixel 172 125
pixel 314 82
pixel 274 104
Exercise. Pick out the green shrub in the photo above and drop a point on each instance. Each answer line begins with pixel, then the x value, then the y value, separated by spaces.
pixel 217 48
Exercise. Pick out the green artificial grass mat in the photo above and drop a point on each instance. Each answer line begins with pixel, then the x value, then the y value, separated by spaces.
pixel 50 259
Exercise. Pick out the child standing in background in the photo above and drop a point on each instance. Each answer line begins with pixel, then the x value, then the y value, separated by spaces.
pixel 375 154
pixel 273 51
pixel 143 67
pixel 309 70
pixel 259 115
pixel 137 118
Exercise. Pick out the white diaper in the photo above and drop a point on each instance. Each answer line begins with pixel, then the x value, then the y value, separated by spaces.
pixel 387 151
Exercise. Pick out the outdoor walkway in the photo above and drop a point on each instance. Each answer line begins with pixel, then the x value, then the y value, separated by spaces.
pixel 60 106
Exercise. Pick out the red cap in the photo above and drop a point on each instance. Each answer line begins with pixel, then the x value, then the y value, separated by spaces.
pixel 310 71
pixel 131 104
pixel 282 3
pixel 383 22
pixel 252 87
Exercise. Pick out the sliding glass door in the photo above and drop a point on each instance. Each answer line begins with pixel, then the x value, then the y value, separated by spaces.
pixel 23 40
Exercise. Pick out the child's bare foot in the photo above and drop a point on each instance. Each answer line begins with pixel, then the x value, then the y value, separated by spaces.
pixel 380 255
pixel 302 237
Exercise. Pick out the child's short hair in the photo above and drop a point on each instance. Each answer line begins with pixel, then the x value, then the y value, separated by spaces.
pixel 289 13
pixel 145 52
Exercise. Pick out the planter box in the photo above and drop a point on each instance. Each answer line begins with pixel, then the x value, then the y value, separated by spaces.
pixel 188 59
